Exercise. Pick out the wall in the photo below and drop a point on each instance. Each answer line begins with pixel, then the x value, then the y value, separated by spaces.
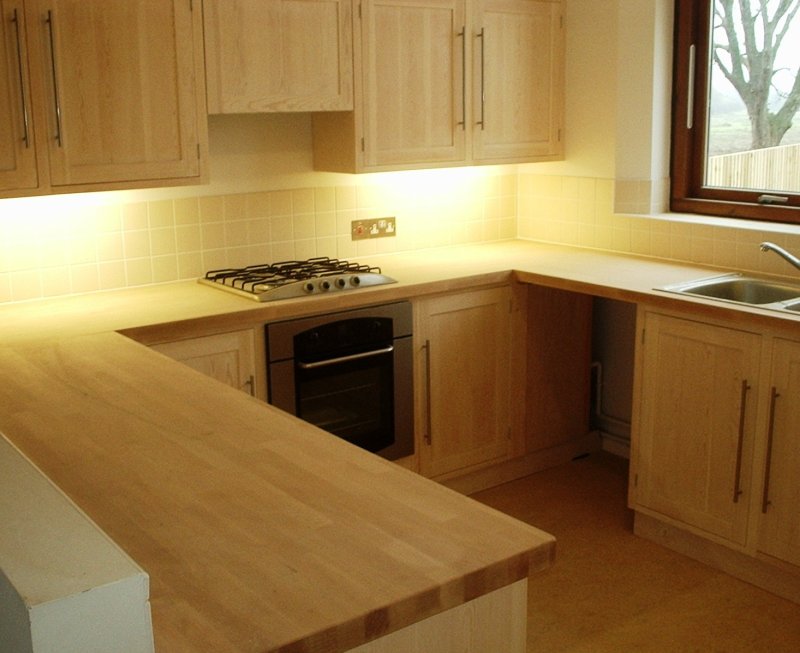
pixel 610 131
pixel 265 203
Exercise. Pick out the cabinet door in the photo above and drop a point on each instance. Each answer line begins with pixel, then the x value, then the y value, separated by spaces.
pixel 413 58
pixel 282 55
pixel 695 424
pixel 465 370
pixel 17 156
pixel 226 357
pixel 779 530
pixel 518 79
pixel 122 89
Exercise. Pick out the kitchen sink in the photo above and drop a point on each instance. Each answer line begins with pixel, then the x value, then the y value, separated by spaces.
pixel 740 289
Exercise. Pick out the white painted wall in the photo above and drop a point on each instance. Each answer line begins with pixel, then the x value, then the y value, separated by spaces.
pixel 65 587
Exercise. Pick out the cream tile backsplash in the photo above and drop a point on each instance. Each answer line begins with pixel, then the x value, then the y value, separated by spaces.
pixel 76 244
pixel 579 211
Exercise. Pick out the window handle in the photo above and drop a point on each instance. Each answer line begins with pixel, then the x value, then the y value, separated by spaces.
pixel 690 89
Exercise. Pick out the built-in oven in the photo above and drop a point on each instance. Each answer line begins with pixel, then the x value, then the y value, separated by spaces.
pixel 349 373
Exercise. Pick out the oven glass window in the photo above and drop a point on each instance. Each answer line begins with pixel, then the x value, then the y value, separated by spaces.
pixel 352 400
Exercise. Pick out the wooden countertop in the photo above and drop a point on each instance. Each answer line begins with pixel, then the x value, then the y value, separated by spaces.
pixel 158 312
pixel 260 532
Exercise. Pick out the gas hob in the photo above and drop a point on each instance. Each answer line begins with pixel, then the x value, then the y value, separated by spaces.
pixel 287 279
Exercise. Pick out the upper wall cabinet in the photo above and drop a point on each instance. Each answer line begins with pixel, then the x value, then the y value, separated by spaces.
pixel 281 55
pixel 17 147
pixel 114 97
pixel 449 82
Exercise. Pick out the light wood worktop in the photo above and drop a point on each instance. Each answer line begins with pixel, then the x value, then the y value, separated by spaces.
pixel 260 532
pixel 156 312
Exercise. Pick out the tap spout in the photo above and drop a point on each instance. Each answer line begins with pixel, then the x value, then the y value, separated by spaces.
pixel 791 258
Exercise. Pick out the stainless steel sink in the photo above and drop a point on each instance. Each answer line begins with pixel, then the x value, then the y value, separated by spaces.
pixel 754 291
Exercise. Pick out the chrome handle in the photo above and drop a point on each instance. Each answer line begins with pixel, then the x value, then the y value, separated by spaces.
pixel 482 36
pixel 57 101
pixel 737 490
pixel 25 123
pixel 344 359
pixel 463 35
pixel 428 419
pixel 768 463
pixel 690 88
pixel 250 384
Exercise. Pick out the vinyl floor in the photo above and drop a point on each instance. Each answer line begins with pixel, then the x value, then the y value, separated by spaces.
pixel 610 591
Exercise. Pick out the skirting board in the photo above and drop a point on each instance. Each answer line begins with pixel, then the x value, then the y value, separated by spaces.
pixel 740 565
pixel 509 470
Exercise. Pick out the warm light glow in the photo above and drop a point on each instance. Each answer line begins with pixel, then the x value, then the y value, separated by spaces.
pixel 443 181
pixel 49 215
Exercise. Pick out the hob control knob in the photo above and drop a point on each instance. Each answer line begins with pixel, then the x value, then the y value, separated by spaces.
pixel 308 287
pixel 355 280
pixel 340 282
pixel 324 285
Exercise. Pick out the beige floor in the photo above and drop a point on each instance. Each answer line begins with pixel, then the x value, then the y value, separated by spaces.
pixel 612 591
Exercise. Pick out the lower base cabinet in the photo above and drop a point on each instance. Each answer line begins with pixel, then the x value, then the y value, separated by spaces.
pixel 779 504
pixel 716 444
pixel 463 356
pixel 502 382
pixel 226 357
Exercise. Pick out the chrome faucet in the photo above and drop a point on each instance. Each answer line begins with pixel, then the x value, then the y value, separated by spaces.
pixel 791 258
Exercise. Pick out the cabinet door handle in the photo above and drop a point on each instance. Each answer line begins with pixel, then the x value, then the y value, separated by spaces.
pixel 250 384
pixel 57 100
pixel 768 463
pixel 463 35
pixel 25 123
pixel 428 403
pixel 482 36
pixel 737 490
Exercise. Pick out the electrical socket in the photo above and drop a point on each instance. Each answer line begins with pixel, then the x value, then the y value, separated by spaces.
pixel 373 228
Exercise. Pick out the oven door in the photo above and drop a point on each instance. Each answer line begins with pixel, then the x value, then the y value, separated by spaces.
pixel 363 396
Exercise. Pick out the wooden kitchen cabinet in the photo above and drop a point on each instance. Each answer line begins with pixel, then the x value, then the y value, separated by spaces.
pixel 449 82
pixel 226 357
pixel 518 79
pixel 17 146
pixel 779 517
pixel 463 376
pixel 715 462
pixel 696 424
pixel 117 93
pixel 282 55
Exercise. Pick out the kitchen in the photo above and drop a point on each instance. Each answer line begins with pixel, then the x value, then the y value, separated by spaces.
pixel 84 243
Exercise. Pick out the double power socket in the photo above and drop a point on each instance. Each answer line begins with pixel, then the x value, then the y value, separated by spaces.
pixel 374 228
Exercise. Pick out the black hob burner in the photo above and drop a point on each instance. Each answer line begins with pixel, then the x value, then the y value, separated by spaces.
pixel 287 279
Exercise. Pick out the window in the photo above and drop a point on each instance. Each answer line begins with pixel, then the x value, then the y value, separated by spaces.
pixel 735 120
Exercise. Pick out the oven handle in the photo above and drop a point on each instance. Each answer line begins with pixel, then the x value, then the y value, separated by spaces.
pixel 344 359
